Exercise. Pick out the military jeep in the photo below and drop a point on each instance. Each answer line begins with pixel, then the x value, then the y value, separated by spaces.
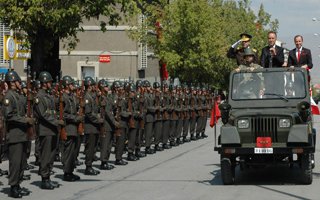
pixel 267 120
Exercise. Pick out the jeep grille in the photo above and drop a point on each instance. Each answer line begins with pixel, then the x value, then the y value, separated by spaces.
pixel 264 127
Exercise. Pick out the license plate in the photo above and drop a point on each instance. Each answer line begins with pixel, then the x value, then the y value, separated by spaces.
pixel 263 150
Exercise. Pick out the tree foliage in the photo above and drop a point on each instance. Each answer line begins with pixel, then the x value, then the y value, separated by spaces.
pixel 195 35
pixel 45 22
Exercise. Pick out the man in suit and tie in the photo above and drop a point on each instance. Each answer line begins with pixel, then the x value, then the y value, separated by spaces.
pixel 300 56
pixel 272 55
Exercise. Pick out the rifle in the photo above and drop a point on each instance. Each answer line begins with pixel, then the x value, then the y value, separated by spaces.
pixel 63 134
pixel 132 123
pixel 200 106
pixel 141 108
pixel 157 104
pixel 173 103
pixel 81 108
pixel 117 131
pixel 102 112
pixel 31 128
pixel 193 103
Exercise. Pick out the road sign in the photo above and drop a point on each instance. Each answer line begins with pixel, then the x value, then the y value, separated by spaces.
pixel 15 49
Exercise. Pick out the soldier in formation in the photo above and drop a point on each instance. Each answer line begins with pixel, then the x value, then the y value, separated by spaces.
pixel 127 116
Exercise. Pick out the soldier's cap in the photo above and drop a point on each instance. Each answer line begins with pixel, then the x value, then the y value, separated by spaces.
pixel 248 52
pixel 245 37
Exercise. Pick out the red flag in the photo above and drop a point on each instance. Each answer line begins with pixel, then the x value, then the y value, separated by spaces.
pixel 314 107
pixel 215 114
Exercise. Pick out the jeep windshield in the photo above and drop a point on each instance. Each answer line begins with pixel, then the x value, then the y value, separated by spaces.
pixel 264 84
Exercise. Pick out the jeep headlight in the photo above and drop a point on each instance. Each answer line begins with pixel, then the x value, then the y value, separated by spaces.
pixel 243 123
pixel 284 123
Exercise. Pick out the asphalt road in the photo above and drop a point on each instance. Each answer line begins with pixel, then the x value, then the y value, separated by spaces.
pixel 189 171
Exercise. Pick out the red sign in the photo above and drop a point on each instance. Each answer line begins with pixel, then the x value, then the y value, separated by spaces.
pixel 104 58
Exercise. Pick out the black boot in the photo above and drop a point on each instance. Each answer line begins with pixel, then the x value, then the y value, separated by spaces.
pixel 90 171
pixel 158 148
pixel 70 177
pixel 139 154
pixel 46 184
pixel 106 166
pixel 203 135
pixel 24 191
pixel 37 162
pixel 132 157
pixel 192 137
pixel 198 136
pixel 15 192
pixel 149 150
pixel 173 143
pixel 166 146
pixel 185 139
pixel 121 162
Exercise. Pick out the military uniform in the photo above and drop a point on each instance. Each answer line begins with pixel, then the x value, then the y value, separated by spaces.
pixel 158 98
pixel 109 127
pixel 16 126
pixel 166 121
pixel 193 115
pixel 186 120
pixel 123 117
pixel 72 119
pixel 47 128
pixel 92 124
pixel 149 121
pixel 237 52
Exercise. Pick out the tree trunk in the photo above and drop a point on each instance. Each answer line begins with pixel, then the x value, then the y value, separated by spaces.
pixel 45 53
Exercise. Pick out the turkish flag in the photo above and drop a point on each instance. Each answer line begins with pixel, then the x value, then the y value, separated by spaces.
pixel 215 114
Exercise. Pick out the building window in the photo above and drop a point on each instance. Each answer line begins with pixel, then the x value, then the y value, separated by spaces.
pixel 4 30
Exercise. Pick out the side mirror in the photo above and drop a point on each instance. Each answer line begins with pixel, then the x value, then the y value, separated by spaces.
pixel 304 110
pixel 225 109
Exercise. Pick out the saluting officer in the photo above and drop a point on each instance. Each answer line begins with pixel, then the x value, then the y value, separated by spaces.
pixel 45 113
pixel 236 50
pixel 16 126
pixel 69 153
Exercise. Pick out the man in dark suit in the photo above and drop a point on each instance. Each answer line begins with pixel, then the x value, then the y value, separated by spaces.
pixel 272 55
pixel 300 56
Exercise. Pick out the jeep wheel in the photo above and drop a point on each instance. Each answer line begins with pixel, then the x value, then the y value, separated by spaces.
pixel 227 171
pixel 306 168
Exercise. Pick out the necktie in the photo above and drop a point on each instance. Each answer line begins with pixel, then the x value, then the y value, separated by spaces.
pixel 298 55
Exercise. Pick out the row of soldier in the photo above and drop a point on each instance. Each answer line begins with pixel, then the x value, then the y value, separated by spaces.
pixel 125 115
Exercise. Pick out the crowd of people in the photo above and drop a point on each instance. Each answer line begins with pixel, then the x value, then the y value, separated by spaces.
pixel 136 119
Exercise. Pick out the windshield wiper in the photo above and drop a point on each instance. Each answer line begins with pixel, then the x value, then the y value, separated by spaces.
pixel 278 95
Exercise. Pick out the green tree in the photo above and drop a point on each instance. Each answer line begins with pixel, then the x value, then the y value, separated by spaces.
pixel 195 36
pixel 45 22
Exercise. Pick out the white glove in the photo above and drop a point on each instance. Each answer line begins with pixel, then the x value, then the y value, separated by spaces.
pixel 236 44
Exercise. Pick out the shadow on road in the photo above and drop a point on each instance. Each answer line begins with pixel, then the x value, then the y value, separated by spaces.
pixel 275 175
